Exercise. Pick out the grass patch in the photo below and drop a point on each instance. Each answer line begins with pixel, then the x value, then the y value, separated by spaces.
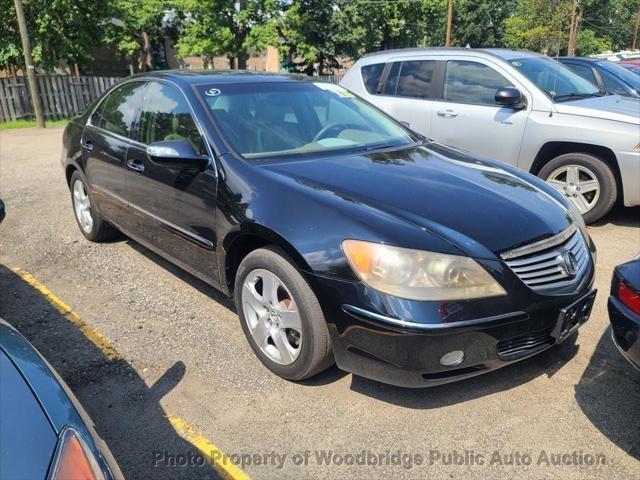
pixel 30 123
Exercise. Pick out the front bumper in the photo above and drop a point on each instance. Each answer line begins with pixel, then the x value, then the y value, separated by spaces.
pixel 402 342
pixel 625 330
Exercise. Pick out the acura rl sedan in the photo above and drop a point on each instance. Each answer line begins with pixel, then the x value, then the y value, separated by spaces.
pixel 340 234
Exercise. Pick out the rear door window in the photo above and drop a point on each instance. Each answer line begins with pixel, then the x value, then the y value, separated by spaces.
pixel 118 112
pixel 391 85
pixel 612 84
pixel 472 83
pixel 416 79
pixel 583 70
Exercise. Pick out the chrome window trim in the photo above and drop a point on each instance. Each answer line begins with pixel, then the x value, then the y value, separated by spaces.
pixel 540 245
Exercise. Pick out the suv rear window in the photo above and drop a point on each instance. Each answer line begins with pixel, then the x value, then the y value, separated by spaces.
pixel 371 75
pixel 416 79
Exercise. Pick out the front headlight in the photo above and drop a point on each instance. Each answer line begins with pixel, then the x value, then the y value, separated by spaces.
pixel 418 274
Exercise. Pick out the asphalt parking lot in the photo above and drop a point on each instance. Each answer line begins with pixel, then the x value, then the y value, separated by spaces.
pixel 181 354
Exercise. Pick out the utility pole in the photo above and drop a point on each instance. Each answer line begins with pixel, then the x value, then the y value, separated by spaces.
pixel 28 62
pixel 573 31
pixel 635 33
pixel 447 41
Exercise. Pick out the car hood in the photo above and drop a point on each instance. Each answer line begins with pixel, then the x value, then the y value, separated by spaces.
pixel 608 107
pixel 442 190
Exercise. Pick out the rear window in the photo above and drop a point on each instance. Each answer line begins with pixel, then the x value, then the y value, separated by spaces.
pixel 416 79
pixel 371 75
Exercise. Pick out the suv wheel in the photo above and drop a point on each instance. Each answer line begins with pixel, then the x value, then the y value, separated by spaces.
pixel 281 316
pixel 585 180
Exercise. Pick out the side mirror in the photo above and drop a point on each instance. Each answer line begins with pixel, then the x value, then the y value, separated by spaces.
pixel 177 153
pixel 510 97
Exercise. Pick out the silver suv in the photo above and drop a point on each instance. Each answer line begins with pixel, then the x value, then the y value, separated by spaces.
pixel 517 107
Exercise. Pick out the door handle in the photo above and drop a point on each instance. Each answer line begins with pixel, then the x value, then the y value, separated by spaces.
pixel 135 165
pixel 88 145
pixel 447 113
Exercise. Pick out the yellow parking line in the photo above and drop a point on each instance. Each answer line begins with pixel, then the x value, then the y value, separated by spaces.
pixel 221 462
pixel 93 335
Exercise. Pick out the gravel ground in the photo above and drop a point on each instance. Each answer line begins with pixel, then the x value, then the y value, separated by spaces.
pixel 185 355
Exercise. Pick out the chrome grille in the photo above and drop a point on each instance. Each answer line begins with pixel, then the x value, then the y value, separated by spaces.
pixel 547 264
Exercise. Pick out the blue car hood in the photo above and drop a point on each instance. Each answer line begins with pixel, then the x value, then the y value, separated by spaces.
pixel 449 193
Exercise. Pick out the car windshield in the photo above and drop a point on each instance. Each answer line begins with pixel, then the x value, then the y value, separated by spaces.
pixel 553 78
pixel 627 76
pixel 272 119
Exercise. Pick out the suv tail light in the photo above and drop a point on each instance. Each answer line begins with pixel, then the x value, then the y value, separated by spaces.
pixel 73 460
pixel 629 297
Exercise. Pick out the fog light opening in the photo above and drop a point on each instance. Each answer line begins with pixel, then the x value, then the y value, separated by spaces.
pixel 453 358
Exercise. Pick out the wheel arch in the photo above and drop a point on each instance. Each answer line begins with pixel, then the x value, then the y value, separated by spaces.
pixel 237 245
pixel 68 172
pixel 551 150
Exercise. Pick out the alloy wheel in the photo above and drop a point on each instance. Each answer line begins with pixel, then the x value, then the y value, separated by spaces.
pixel 578 183
pixel 272 316
pixel 82 206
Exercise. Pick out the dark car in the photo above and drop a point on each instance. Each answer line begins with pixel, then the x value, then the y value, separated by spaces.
pixel 340 233
pixel 2 211
pixel 607 76
pixel 624 310
pixel 631 66
pixel 44 432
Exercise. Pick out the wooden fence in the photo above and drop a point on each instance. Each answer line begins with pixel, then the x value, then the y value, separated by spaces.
pixel 62 96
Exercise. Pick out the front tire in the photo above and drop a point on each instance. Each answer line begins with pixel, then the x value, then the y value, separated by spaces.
pixel 585 180
pixel 280 316
pixel 91 223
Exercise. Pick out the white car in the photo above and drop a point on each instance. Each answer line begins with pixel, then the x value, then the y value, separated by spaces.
pixel 518 107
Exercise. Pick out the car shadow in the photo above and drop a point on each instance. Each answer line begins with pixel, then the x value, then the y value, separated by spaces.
pixel 620 216
pixel 126 412
pixel 183 275
pixel 609 395
pixel 546 363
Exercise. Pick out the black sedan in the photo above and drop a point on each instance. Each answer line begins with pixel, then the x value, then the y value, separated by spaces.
pixel 44 432
pixel 624 310
pixel 340 234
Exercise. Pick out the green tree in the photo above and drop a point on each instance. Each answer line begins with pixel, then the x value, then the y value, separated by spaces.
pixel 539 25
pixel 61 31
pixel 364 26
pixel 588 43
pixel 10 47
pixel 308 34
pixel 481 23
pixel 136 26
pixel 227 27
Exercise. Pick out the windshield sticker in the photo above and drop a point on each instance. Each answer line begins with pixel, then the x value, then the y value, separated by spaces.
pixel 335 89
pixel 213 92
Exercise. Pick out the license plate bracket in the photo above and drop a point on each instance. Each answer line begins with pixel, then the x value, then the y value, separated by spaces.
pixel 574 315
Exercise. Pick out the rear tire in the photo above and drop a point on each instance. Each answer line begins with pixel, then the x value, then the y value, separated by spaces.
pixel 92 225
pixel 286 328
pixel 573 173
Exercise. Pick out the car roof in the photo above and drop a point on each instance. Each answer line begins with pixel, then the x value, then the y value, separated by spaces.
pixel 584 59
pixel 503 53
pixel 222 76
